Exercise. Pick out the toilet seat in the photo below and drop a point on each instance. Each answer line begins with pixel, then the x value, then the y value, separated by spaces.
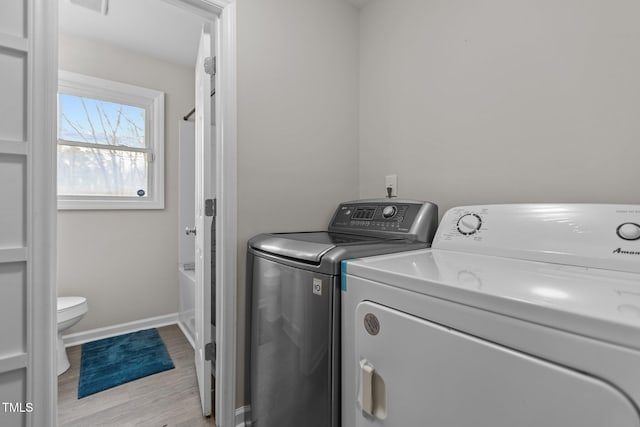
pixel 71 307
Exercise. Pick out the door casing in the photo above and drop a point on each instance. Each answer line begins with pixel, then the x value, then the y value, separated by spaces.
pixel 43 69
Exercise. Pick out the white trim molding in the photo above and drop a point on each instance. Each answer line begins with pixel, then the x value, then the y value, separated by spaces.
pixel 226 220
pixel 152 101
pixel 217 4
pixel 119 329
pixel 13 147
pixel 242 416
pixel 42 379
pixel 204 8
pixel 199 7
pixel 186 333
pixel 13 362
pixel 14 255
pixel 16 43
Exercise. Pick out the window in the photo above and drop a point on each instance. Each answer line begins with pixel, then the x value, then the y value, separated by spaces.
pixel 110 144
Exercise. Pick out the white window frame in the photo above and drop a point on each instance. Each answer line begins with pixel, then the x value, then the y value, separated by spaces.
pixel 152 101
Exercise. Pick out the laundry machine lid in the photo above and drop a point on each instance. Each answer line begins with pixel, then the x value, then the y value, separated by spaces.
pixel 597 303
pixel 306 246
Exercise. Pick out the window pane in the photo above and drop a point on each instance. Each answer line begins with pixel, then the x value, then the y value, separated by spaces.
pixel 101 172
pixel 100 122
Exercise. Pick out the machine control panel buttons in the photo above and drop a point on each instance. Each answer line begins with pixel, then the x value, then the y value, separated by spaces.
pixel 389 211
pixel 469 224
pixel 384 216
pixel 629 231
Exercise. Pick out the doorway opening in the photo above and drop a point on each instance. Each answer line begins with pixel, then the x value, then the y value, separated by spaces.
pixel 118 252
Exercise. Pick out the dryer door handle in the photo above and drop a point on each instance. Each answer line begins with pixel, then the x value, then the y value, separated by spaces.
pixel 366 387
pixel 372 394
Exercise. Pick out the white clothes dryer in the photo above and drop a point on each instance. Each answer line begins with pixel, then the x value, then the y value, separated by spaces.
pixel 519 315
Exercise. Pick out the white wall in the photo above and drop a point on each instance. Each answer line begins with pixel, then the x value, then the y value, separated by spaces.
pixel 297 119
pixel 125 262
pixel 500 100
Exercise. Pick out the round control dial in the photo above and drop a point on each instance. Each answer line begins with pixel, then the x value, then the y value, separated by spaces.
pixel 389 211
pixel 469 223
pixel 629 231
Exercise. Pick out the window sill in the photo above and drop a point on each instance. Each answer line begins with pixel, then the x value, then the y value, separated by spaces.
pixel 109 204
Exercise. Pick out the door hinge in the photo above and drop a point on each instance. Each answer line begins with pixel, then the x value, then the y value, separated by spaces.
pixel 210 65
pixel 210 351
pixel 210 207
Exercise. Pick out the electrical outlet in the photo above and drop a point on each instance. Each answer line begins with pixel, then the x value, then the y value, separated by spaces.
pixel 391 181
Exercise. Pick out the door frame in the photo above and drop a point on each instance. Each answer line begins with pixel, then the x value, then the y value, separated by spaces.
pixel 42 380
pixel 42 383
pixel 226 215
pixel 226 226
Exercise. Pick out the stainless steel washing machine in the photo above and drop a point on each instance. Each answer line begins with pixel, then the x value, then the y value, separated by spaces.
pixel 294 284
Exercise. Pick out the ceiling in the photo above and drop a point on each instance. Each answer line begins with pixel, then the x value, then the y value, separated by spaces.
pixel 155 28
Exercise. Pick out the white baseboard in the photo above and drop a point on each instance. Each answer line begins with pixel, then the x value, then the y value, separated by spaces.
pixel 122 328
pixel 242 415
pixel 187 335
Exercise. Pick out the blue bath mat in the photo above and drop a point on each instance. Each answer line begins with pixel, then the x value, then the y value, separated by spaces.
pixel 117 360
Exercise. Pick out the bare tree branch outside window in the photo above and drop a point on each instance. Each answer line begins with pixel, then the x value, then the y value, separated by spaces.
pixel 102 148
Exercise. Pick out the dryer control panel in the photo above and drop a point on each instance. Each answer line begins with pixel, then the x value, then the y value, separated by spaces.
pixel 599 236
pixel 411 219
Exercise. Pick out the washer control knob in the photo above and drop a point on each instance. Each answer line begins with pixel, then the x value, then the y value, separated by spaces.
pixel 629 231
pixel 469 223
pixel 389 211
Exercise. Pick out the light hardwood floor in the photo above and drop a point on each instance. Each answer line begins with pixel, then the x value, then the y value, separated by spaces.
pixel 166 399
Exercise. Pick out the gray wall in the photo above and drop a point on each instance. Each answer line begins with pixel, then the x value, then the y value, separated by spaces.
pixel 501 101
pixel 497 101
pixel 125 262
pixel 297 119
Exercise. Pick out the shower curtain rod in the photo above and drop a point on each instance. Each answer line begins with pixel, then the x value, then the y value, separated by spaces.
pixel 188 116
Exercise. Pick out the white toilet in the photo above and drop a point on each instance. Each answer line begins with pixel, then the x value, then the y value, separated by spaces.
pixel 70 311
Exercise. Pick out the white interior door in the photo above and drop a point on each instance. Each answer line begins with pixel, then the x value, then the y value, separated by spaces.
pixel 27 212
pixel 14 215
pixel 203 217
